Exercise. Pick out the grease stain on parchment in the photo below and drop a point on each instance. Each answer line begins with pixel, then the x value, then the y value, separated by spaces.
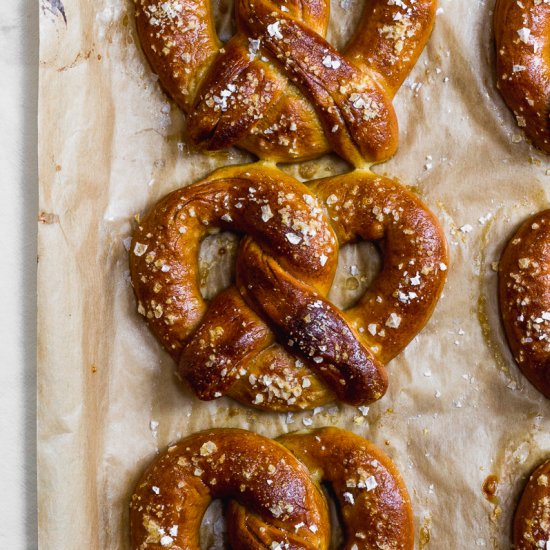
pixel 483 313
pixel 513 460
pixel 425 532
pixel 81 57
pixel 48 218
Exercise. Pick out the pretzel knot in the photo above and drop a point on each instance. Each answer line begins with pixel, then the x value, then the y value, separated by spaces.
pixel 274 493
pixel 278 88
pixel 273 340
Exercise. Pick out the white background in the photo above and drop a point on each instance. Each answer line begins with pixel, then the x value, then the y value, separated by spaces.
pixel 18 226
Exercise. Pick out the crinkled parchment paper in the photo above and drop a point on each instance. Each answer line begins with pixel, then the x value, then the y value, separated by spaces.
pixel 111 145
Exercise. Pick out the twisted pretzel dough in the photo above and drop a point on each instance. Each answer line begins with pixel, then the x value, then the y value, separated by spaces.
pixel 522 32
pixel 531 521
pixel 285 268
pixel 278 88
pixel 524 281
pixel 170 499
pixel 274 503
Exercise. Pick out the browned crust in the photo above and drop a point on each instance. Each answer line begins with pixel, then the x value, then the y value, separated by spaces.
pixel 522 33
pixel 273 489
pixel 174 492
pixel 374 503
pixel 532 517
pixel 288 94
pixel 524 284
pixel 273 340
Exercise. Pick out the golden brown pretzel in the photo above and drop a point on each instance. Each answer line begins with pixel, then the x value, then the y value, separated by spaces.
pixel 277 88
pixel 522 32
pixel 274 503
pixel 285 268
pixel 532 517
pixel 524 283
pixel 373 500
pixel 169 501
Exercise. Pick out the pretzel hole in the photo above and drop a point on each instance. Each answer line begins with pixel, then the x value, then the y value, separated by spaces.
pixel 217 257
pixel 344 15
pixel 358 265
pixel 213 530
pixel 335 516
pixel 222 13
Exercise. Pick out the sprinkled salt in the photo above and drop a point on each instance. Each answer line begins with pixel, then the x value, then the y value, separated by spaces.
pixel 293 238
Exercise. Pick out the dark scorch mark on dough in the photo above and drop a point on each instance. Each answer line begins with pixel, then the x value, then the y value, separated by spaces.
pixel 56 7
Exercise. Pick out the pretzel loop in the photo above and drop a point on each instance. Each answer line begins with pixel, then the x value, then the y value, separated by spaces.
pixel 373 500
pixel 273 340
pixel 278 88
pixel 168 504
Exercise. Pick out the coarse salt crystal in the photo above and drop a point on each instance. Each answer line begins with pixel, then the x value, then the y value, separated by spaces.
pixel 274 29
pixel 166 540
pixel 267 214
pixel 140 249
pixel 208 448
pixel 371 483
pixel 524 34
pixel 348 497
pixel 293 238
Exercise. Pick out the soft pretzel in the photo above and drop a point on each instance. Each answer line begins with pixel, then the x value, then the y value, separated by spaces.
pixel 522 32
pixel 532 517
pixel 274 503
pixel 373 500
pixel 273 340
pixel 524 282
pixel 275 500
pixel 278 88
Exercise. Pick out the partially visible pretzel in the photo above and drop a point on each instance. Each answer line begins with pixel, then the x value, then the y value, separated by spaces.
pixel 277 500
pixel 278 88
pixel 532 517
pixel 522 32
pixel 524 281
pixel 285 268
pixel 274 504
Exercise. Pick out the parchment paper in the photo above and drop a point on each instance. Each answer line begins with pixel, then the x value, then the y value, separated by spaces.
pixel 111 145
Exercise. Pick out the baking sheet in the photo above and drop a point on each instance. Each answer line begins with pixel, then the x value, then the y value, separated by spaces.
pixel 111 145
